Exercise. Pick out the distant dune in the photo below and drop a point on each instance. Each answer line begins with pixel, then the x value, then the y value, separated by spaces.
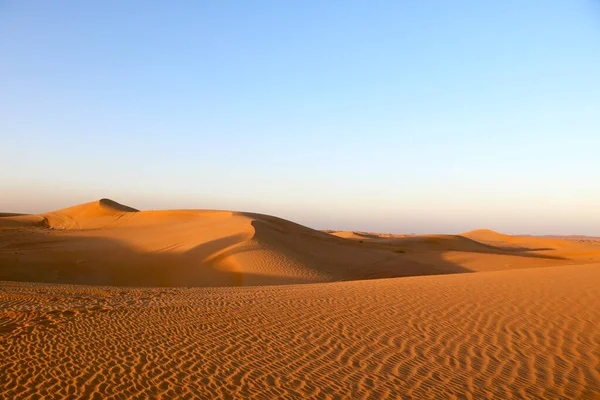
pixel 527 329
pixel 486 235
pixel 104 242
pixel 480 250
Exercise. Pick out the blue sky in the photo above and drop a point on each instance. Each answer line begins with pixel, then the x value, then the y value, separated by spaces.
pixel 393 116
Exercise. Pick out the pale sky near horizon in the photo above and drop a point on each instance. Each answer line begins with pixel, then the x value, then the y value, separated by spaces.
pixel 391 116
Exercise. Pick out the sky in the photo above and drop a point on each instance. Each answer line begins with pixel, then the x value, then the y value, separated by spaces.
pixel 390 116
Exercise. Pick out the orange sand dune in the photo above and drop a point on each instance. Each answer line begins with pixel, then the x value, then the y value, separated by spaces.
pixel 487 236
pixel 481 250
pixel 527 334
pixel 519 332
pixel 104 242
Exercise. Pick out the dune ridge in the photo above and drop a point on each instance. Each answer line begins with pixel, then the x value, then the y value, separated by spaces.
pixel 94 215
pixel 486 235
pixel 107 243
pixel 314 322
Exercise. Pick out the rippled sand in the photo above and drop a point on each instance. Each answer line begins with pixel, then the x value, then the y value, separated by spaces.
pixel 530 333
pixel 242 305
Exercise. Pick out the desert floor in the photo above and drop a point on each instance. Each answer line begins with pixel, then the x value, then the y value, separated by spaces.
pixel 240 305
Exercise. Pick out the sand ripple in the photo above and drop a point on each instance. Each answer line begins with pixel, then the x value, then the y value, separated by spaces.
pixel 513 334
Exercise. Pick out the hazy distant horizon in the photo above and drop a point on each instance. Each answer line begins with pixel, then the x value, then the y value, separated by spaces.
pixel 390 116
pixel 351 222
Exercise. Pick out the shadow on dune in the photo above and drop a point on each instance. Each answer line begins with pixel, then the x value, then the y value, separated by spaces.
pixel 37 256
pixel 97 260
pixel 506 248
pixel 459 244
pixel 81 244
pixel 344 259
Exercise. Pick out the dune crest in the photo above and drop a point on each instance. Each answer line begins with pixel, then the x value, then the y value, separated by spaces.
pixel 104 242
pixel 522 331
pixel 485 235
pixel 92 215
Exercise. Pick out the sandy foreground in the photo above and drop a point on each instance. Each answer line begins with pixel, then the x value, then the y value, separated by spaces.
pixel 252 306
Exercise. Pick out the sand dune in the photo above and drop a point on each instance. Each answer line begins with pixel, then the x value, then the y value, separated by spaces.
pixel 487 235
pixel 481 250
pixel 519 332
pixel 528 334
pixel 104 242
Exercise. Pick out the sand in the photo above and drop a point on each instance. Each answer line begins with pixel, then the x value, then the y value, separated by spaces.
pixel 253 306
pixel 106 243
pixel 512 334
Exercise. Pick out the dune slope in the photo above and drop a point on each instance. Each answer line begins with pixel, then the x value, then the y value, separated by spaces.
pixel 527 334
pixel 104 242
pixel 480 251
